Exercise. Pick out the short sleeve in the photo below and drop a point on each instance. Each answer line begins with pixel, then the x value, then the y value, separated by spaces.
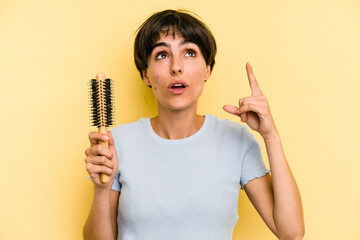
pixel 253 165
pixel 116 184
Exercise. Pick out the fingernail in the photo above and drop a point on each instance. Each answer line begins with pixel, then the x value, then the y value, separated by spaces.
pixel 106 138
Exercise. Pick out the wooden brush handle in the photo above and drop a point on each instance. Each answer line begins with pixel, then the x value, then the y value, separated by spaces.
pixel 103 177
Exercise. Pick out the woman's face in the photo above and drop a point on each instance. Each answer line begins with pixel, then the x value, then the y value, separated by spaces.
pixel 176 71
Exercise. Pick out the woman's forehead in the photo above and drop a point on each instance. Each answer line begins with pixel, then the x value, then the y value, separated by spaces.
pixel 171 38
pixel 169 41
pixel 169 34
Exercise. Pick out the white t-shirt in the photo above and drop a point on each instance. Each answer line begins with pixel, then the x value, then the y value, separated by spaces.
pixel 185 189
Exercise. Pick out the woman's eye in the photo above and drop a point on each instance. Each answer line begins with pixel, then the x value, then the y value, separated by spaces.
pixel 161 56
pixel 190 53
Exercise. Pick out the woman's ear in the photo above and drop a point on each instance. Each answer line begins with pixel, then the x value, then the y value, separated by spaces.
pixel 207 73
pixel 146 78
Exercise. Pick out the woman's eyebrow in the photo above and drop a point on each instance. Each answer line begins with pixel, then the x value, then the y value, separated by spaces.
pixel 164 44
pixel 159 44
pixel 186 42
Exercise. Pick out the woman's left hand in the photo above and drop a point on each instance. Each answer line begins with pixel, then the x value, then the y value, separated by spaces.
pixel 254 110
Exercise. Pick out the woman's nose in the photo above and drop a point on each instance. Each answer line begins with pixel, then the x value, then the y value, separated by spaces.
pixel 176 70
pixel 176 67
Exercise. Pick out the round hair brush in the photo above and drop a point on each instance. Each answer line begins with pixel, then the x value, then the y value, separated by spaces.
pixel 101 108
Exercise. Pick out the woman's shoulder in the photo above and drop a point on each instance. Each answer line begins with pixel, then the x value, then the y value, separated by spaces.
pixel 224 124
pixel 232 130
pixel 130 128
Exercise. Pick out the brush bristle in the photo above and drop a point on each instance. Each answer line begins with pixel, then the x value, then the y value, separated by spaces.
pixel 101 101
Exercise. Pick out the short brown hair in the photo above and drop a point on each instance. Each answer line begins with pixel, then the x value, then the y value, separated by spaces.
pixel 173 22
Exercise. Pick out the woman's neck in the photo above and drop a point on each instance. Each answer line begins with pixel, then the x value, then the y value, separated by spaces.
pixel 177 124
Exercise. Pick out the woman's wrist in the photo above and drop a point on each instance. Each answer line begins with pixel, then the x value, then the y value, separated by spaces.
pixel 274 136
pixel 102 189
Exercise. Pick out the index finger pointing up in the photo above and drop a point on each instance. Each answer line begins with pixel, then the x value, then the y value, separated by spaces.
pixel 255 88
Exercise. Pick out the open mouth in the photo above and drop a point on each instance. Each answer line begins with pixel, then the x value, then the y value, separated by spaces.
pixel 177 86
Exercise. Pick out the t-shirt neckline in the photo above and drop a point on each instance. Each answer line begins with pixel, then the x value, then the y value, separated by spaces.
pixel 156 137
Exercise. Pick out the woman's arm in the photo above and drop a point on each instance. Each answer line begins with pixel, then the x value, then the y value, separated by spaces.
pixel 101 222
pixel 276 197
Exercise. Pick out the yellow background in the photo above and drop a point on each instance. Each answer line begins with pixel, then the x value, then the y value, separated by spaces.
pixel 305 55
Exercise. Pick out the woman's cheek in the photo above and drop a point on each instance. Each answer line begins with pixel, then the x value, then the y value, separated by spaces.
pixel 199 88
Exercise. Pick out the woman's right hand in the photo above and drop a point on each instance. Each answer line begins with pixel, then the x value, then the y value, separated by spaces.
pixel 100 159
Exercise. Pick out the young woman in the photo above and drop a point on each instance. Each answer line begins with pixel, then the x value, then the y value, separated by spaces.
pixel 177 175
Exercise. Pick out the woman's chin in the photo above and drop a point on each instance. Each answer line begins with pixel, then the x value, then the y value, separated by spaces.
pixel 178 106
